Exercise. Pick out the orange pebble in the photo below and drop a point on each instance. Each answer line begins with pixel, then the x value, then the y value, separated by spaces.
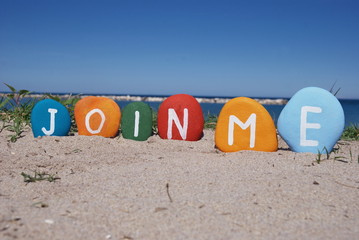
pixel 97 116
pixel 244 124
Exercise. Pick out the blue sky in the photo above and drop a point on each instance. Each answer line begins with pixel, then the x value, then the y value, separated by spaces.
pixel 203 48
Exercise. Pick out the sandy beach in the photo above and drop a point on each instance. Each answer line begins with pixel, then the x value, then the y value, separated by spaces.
pixel 165 189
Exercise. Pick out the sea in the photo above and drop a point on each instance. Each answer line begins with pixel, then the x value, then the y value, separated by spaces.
pixel 350 106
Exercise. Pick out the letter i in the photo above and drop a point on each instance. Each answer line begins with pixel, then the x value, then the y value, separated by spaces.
pixel 137 123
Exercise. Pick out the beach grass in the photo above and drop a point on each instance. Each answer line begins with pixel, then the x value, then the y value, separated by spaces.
pixel 351 133
pixel 39 176
pixel 15 113
pixel 210 121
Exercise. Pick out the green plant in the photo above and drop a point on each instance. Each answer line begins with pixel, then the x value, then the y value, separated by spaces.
pixel 39 176
pixel 319 157
pixel 16 108
pixel 211 121
pixel 340 159
pixel 351 133
pixel 332 89
pixel 327 152
pixel 3 101
pixel 17 128
pixel 154 123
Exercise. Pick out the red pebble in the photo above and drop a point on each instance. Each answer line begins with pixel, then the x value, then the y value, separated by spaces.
pixel 180 117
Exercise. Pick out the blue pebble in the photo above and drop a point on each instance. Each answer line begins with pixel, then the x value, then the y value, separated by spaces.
pixel 50 118
pixel 312 121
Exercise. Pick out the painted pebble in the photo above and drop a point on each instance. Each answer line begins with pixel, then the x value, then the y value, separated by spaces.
pixel 244 124
pixel 50 118
pixel 136 121
pixel 180 117
pixel 97 116
pixel 312 121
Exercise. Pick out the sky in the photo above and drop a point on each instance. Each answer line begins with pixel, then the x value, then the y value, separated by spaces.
pixel 267 48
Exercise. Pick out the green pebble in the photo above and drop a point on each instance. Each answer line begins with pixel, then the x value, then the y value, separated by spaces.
pixel 136 121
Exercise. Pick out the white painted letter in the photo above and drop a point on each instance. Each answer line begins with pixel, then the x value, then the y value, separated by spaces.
pixel 52 112
pixel 251 122
pixel 137 123
pixel 172 116
pixel 304 125
pixel 87 120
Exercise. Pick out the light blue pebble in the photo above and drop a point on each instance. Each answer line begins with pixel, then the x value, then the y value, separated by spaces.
pixel 312 121
pixel 50 118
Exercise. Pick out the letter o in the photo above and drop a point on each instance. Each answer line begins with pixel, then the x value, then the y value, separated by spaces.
pixel 87 120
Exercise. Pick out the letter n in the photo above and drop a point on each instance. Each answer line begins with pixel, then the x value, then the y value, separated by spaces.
pixel 173 117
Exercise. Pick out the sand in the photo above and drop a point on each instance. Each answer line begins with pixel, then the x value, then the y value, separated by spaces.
pixel 165 189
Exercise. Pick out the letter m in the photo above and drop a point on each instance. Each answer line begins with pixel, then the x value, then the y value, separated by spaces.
pixel 251 123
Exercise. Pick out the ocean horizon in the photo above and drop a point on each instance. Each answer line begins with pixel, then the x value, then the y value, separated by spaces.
pixel 161 95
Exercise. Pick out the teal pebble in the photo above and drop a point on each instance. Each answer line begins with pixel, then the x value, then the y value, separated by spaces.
pixel 50 118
